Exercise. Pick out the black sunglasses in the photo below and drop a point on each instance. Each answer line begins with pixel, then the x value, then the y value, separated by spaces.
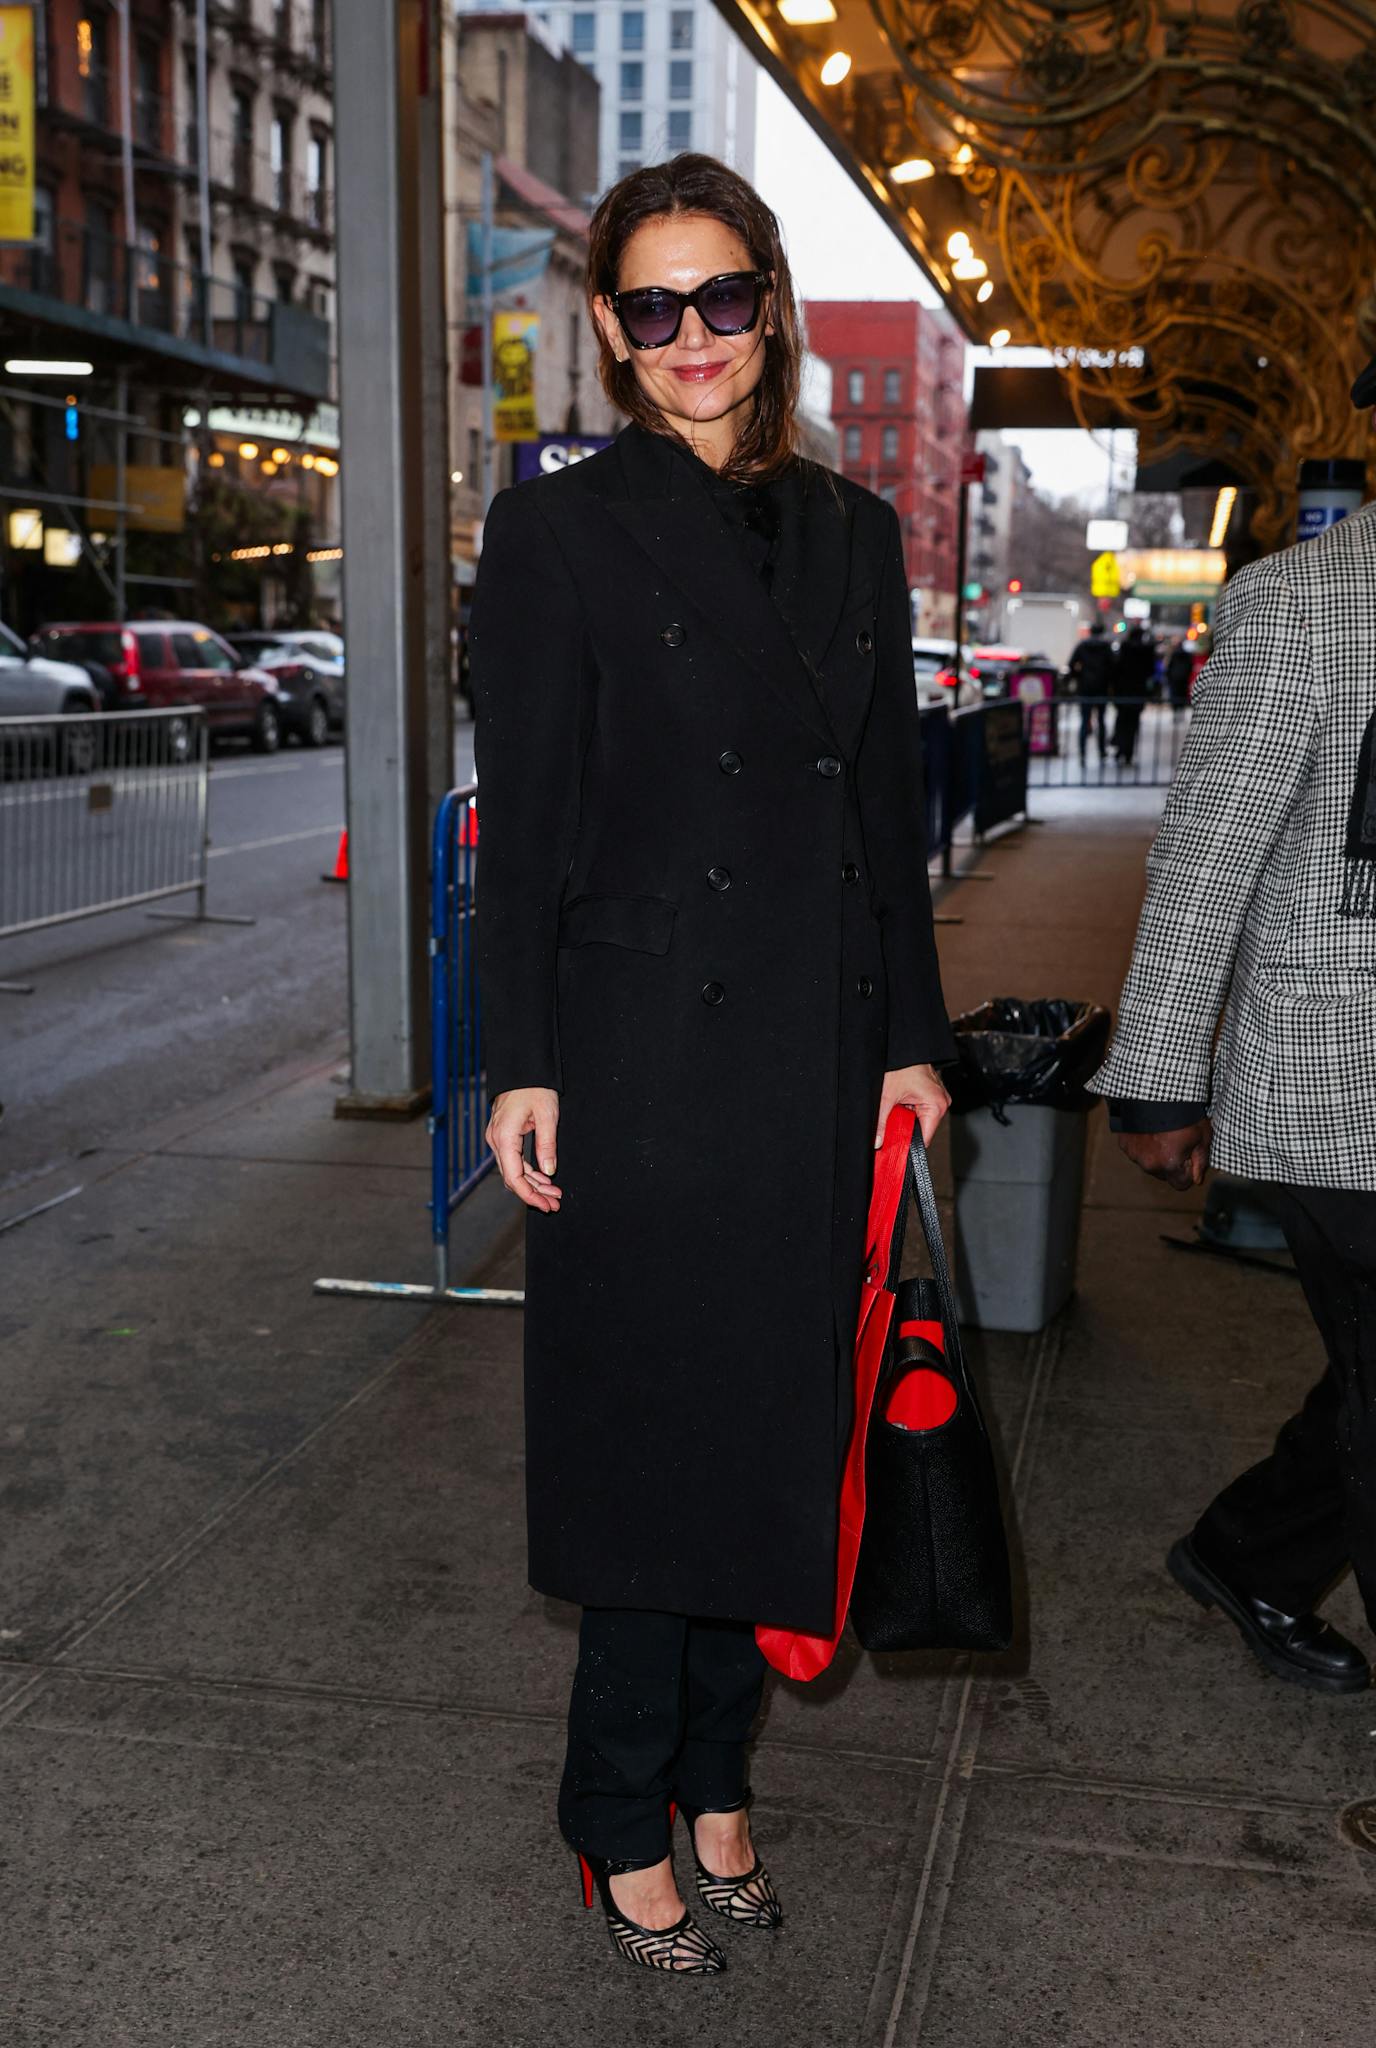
pixel 652 314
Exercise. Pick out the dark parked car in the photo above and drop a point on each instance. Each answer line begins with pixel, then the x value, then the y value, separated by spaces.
pixel 158 664
pixel 309 670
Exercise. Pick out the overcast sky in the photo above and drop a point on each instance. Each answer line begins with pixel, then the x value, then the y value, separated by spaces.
pixel 840 248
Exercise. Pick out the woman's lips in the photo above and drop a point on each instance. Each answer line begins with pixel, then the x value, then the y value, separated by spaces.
pixel 698 373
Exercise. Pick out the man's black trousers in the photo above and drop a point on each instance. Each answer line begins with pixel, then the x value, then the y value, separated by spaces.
pixel 662 1705
pixel 1285 1529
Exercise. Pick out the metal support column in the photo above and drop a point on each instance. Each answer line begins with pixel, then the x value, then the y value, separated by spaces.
pixel 396 551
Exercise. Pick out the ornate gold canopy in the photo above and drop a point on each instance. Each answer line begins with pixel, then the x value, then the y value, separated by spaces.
pixel 1180 201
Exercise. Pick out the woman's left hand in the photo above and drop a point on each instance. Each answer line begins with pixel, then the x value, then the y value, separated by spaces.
pixel 916 1088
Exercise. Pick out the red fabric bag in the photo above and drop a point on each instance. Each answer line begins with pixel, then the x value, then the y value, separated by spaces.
pixel 788 1650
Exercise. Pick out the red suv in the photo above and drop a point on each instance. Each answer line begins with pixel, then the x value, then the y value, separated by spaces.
pixel 154 665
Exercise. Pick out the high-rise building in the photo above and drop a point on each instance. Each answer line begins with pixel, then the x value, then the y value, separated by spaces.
pixel 673 76
pixel 899 407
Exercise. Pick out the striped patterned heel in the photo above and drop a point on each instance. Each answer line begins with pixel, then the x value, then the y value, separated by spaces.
pixel 683 1947
pixel 751 1901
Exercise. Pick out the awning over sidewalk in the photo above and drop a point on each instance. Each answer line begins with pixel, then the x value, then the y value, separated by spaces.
pixel 1180 202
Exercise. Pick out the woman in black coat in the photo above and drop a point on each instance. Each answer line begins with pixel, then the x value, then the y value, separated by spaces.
pixel 708 972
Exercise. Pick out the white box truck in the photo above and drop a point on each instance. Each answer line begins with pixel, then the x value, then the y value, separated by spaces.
pixel 1046 622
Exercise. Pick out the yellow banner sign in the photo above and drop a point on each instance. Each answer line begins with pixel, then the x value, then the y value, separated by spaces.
pixel 154 492
pixel 514 339
pixel 1182 568
pixel 16 124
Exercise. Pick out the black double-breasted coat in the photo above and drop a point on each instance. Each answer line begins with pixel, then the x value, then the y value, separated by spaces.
pixel 704 917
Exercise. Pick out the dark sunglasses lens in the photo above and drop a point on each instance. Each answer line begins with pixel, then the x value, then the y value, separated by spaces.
pixel 649 317
pixel 731 304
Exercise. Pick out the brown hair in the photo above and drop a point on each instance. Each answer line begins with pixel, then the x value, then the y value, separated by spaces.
pixel 700 184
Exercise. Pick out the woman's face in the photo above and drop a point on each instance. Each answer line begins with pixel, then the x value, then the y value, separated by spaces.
pixel 699 377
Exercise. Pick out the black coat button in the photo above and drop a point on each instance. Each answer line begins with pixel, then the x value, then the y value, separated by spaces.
pixel 673 636
pixel 719 878
pixel 829 766
pixel 864 640
pixel 850 872
pixel 729 763
pixel 713 992
pixel 865 985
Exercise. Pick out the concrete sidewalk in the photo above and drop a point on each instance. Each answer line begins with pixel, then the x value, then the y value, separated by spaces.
pixel 280 1720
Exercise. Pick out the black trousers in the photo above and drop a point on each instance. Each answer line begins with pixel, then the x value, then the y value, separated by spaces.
pixel 662 1705
pixel 1285 1529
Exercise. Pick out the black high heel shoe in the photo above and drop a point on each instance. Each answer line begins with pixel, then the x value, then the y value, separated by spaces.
pixel 751 1901
pixel 683 1947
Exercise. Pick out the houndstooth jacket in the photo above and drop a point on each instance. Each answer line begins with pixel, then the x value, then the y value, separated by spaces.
pixel 1253 912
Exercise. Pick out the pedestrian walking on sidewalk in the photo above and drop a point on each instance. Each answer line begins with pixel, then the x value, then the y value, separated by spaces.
pixel 1134 665
pixel 708 971
pixel 1091 662
pixel 1261 912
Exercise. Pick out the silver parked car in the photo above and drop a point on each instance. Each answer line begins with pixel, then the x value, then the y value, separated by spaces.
pixel 33 687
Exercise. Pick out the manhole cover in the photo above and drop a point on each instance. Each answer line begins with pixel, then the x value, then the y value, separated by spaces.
pixel 1358 1824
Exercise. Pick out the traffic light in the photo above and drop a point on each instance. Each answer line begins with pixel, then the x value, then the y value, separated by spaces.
pixel 1014 585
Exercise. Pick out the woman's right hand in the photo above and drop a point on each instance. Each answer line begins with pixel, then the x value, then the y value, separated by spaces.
pixel 513 1114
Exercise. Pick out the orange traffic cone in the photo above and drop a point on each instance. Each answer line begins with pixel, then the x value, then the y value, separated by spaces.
pixel 341 860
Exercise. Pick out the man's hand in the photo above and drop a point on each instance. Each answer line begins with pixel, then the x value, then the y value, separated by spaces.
pixel 1180 1158
pixel 513 1114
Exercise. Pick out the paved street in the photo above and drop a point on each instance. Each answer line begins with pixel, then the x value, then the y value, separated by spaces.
pixel 280 1719
pixel 132 1016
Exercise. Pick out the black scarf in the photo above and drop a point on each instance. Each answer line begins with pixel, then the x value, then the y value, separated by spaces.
pixel 1359 869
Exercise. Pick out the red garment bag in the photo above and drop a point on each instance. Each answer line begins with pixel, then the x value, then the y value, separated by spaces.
pixel 788 1650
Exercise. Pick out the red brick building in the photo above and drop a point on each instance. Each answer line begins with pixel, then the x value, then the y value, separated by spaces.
pixel 898 406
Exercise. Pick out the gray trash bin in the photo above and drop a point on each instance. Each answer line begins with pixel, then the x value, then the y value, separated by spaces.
pixel 1018 1189
pixel 1018 1154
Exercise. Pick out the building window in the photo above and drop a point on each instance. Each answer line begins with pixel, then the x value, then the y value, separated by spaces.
pixel 318 177
pixel 626 165
pixel 282 11
pixel 320 15
pixel 889 445
pixel 147 98
pixel 855 386
pixel 632 28
pixel 475 457
pixel 630 134
pixel 245 265
pixel 632 81
pixel 41 254
pixel 584 34
pixel 284 276
pixel 852 444
pixel 681 130
pixel 889 493
pixel 93 63
pixel 681 78
pixel 98 284
pixel 680 28
pixel 280 148
pixel 893 387
pixel 242 102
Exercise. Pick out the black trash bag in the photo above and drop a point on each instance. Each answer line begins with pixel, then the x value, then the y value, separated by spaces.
pixel 1013 1051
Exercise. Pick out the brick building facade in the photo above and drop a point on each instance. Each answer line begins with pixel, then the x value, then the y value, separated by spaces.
pixel 898 406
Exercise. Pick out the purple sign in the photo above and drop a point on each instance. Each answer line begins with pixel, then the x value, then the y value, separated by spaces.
pixel 555 451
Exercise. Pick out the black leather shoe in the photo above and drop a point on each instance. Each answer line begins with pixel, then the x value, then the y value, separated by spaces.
pixel 1298 1647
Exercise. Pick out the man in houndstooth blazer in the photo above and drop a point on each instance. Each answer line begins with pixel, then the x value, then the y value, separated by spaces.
pixel 1247 1034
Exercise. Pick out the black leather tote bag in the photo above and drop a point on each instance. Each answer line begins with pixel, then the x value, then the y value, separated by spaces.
pixel 933 1570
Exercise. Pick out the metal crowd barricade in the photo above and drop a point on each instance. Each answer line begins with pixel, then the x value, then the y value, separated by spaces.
pixel 100 812
pixel 459 1157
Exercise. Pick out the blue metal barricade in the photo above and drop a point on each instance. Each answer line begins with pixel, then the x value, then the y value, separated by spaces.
pixel 459 1157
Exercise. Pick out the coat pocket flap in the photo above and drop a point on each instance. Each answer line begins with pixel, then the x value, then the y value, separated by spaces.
pixel 643 923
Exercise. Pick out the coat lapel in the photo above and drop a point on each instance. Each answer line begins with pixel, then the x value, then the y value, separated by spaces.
pixel 668 513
